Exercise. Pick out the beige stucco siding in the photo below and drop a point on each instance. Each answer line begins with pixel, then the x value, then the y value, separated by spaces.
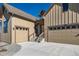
pixel 21 22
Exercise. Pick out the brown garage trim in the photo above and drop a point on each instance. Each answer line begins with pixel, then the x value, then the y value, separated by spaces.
pixel 28 34
pixel 15 33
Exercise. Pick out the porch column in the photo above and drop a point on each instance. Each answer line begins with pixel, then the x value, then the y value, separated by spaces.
pixel 2 24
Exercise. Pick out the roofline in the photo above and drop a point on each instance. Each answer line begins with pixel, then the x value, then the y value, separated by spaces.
pixel 15 15
pixel 19 15
pixel 50 8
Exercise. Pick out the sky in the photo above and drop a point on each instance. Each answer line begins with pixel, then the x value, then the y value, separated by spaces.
pixel 31 8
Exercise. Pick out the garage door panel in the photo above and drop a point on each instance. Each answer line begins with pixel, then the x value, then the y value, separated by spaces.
pixel 64 36
pixel 21 35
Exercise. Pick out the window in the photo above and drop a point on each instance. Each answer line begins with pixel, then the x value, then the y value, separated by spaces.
pixel 78 26
pixel 54 28
pixel 17 28
pixel 73 27
pixel 65 6
pixel 6 21
pixel 68 27
pixel 50 28
pixel 58 28
pixel 20 28
pixel 26 28
pixel 63 27
pixel 23 28
pixel 5 26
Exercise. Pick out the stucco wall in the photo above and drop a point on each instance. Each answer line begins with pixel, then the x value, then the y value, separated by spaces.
pixel 21 22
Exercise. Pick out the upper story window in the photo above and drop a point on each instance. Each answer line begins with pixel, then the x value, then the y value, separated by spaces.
pixel 65 6
pixel 62 27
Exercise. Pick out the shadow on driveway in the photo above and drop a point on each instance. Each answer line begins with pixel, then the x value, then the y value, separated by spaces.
pixel 11 50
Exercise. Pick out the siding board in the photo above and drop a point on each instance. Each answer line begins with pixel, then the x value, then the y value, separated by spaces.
pixel 53 15
pixel 57 15
pixel 74 17
pixel 70 17
pixel 77 17
pixel 63 18
pixel 66 17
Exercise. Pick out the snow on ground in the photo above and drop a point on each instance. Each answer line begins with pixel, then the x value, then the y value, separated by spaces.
pixel 48 49
pixel 43 49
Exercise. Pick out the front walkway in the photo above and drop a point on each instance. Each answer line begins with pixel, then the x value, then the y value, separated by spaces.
pixel 42 49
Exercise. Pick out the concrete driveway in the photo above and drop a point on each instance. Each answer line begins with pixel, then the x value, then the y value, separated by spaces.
pixel 47 49
pixel 42 49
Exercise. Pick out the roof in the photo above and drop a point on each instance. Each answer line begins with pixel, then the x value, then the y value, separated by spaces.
pixel 51 7
pixel 48 9
pixel 19 12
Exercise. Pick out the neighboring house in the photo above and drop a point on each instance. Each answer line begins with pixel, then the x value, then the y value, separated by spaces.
pixel 61 23
pixel 17 26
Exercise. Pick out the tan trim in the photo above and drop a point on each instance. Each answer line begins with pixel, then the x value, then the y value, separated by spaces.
pixel 10 29
pixel 15 33
pixel 28 35
pixel 47 35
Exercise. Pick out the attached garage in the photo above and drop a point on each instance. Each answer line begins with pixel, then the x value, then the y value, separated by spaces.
pixel 64 27
pixel 21 34
pixel 20 25
pixel 64 34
